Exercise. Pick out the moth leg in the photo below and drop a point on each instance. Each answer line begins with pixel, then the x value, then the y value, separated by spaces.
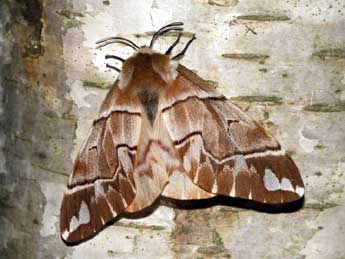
pixel 115 68
pixel 114 57
pixel 181 54
pixel 174 44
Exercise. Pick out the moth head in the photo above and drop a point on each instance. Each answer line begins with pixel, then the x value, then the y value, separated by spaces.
pixel 146 60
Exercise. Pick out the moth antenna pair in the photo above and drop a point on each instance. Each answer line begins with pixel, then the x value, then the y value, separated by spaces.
pixel 175 26
pixel 114 39
pixel 170 27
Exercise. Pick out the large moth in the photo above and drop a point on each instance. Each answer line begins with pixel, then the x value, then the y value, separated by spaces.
pixel 163 130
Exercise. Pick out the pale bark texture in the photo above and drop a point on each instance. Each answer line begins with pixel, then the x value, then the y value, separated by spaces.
pixel 281 61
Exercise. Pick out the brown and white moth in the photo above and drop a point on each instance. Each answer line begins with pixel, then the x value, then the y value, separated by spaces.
pixel 163 130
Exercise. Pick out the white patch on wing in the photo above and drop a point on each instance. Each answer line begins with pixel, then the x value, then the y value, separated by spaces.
pixel 240 164
pixel 286 185
pixel 215 187
pixel 74 224
pixel 233 188
pixel 84 218
pixel 300 191
pixel 250 196
pixel 99 191
pixel 271 181
pixel 84 214
pixel 65 234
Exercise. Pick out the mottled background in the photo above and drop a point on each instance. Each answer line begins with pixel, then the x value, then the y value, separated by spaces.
pixel 282 61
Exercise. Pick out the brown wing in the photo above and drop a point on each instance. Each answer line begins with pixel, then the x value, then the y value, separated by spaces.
pixel 123 167
pixel 101 183
pixel 223 150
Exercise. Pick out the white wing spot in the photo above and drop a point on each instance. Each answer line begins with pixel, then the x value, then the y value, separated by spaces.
pixel 300 191
pixel 84 218
pixel 286 185
pixel 65 234
pixel 84 214
pixel 240 164
pixel 233 189
pixel 271 181
pixel 74 224
pixel 99 191
pixel 215 187
pixel 250 196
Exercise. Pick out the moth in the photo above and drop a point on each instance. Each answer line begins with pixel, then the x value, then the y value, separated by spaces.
pixel 164 131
